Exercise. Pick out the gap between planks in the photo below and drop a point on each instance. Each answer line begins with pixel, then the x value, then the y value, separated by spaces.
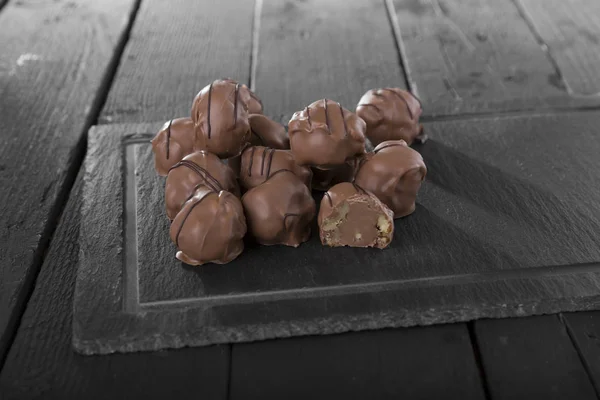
pixel 71 174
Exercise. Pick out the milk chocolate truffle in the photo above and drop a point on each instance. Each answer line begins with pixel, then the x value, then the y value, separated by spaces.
pixel 325 134
pixel 255 105
pixel 209 228
pixel 390 114
pixel 197 169
pixel 280 210
pixel 260 163
pixel 220 115
pixel 324 179
pixel 266 132
pixel 393 173
pixel 351 216
pixel 174 141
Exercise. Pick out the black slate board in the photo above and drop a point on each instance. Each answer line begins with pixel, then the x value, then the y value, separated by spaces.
pixel 507 225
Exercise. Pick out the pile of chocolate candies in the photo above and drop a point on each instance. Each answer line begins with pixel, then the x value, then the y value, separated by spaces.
pixel 325 150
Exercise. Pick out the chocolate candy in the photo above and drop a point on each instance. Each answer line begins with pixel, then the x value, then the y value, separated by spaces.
pixel 390 114
pixel 197 169
pixel 351 216
pixel 393 173
pixel 325 134
pixel 266 132
pixel 259 163
pixel 255 105
pixel 280 210
pixel 174 141
pixel 220 115
pixel 209 228
pixel 324 179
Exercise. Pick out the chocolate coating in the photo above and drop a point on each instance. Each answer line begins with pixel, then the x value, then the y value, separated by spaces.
pixel 266 132
pixel 324 179
pixel 390 114
pixel 325 134
pixel 280 210
pixel 255 105
pixel 174 141
pixel 197 169
pixel 352 216
pixel 393 173
pixel 220 115
pixel 259 163
pixel 209 228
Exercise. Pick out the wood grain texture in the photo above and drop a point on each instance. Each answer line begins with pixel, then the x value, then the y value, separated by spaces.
pixel 42 363
pixel 481 56
pixel 176 48
pixel 584 330
pixel 531 358
pixel 417 363
pixel 53 65
pixel 314 49
pixel 571 31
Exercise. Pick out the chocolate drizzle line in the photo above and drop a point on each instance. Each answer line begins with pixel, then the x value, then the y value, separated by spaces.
pixel 329 197
pixel 358 188
pixel 251 160
pixel 402 98
pixel 326 116
pixel 270 162
pixel 343 119
pixel 209 180
pixel 186 217
pixel 308 115
pixel 264 155
pixel 169 137
pixel 209 98
pixel 235 104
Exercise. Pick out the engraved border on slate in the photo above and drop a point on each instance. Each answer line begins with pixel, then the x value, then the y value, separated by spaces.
pixel 108 318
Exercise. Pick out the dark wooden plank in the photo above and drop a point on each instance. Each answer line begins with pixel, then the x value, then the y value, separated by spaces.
pixel 175 49
pixel 42 363
pixel 54 65
pixel 571 31
pixel 314 49
pixel 416 363
pixel 584 329
pixel 531 358
pixel 481 56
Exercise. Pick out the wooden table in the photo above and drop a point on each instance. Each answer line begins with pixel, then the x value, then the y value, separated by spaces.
pixel 66 65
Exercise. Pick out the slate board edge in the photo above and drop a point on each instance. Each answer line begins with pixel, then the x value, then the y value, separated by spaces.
pixel 333 325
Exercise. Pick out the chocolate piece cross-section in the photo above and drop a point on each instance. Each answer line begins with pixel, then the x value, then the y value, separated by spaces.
pixel 280 210
pixel 197 169
pixel 220 115
pixel 390 114
pixel 351 216
pixel 325 134
pixel 209 228
pixel 393 173
pixel 259 163
pixel 174 141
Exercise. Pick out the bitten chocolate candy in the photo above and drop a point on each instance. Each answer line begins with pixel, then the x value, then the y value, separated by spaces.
pixel 280 210
pixel 351 216
pixel 325 134
pixel 220 115
pixel 259 163
pixel 209 228
pixel 324 179
pixel 197 169
pixel 266 132
pixel 390 114
pixel 393 173
pixel 174 141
